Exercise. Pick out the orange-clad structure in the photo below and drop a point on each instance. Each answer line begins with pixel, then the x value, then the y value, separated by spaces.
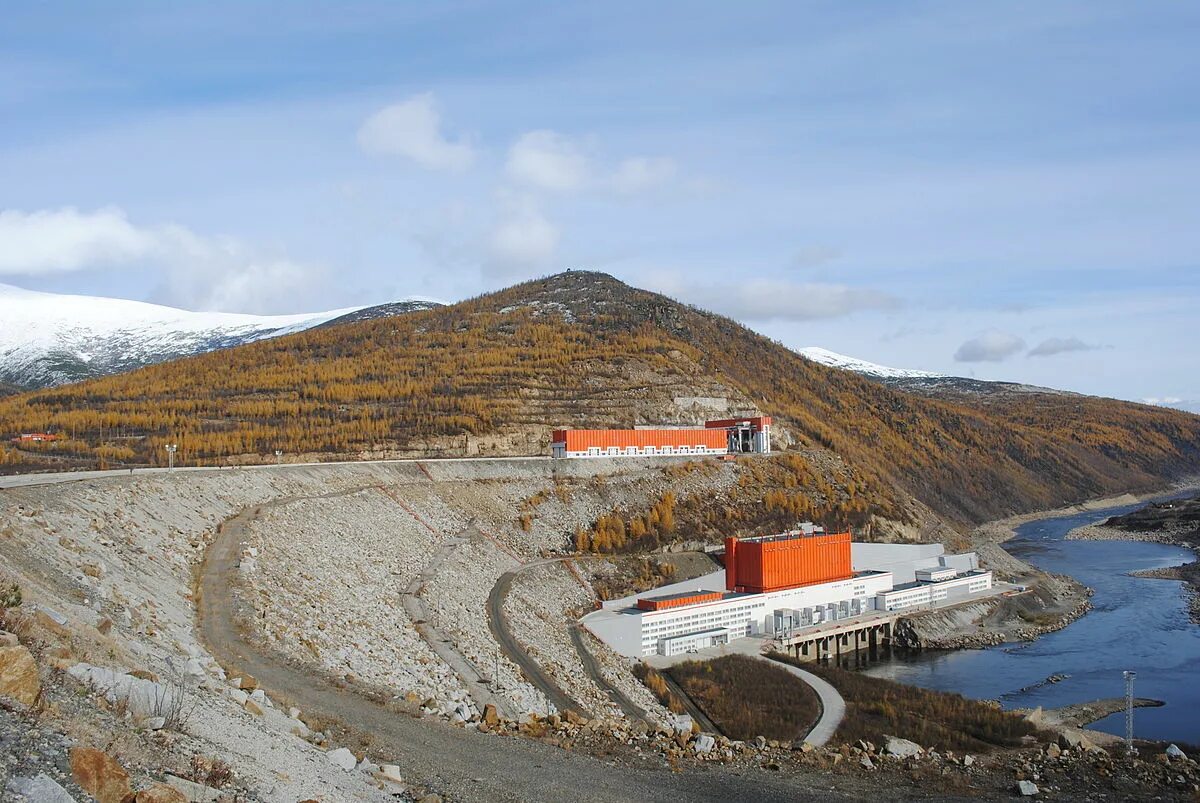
pixel 618 442
pixel 736 435
pixel 678 600
pixel 790 560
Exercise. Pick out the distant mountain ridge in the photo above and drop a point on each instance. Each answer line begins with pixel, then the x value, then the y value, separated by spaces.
pixel 49 339
pixel 494 375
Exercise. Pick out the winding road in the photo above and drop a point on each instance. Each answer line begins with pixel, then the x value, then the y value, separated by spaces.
pixel 459 763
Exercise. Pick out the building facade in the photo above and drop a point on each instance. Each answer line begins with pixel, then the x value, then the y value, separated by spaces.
pixel 726 436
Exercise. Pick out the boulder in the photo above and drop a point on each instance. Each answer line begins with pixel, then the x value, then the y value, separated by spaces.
pixel 143 698
pixel 99 774
pixel 247 682
pixel 192 791
pixel 9 640
pixel 155 723
pixel 1174 752
pixel 1053 750
pixel 1027 788
pixel 704 744
pixel 866 762
pixel 253 707
pixel 968 760
pixel 41 788
pixel 1075 740
pixel 491 717
pixel 391 774
pixel 160 793
pixel 902 748
pixel 342 758
pixel 18 674
pixel 51 621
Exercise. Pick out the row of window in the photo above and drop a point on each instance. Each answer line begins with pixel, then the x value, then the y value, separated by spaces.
pixel 633 450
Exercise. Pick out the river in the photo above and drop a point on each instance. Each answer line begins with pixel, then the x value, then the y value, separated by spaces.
pixel 1139 624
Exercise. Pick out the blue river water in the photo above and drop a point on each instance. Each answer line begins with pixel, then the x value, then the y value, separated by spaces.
pixel 1136 623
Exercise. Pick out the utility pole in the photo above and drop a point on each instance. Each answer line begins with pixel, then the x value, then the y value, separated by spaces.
pixel 1129 678
pixel 171 448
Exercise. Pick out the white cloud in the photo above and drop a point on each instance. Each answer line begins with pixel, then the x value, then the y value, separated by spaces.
pixel 1059 345
pixel 552 162
pixel 772 299
pixel 1164 401
pixel 66 240
pixel 196 272
pixel 547 160
pixel 641 174
pixel 522 240
pixel 993 346
pixel 413 129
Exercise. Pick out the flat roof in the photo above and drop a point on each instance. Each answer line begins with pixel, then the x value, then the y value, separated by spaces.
pixel 713 632
pixel 681 595
pixel 919 583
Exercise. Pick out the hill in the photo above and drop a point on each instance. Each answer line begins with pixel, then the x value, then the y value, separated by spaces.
pixel 495 374
pixel 49 339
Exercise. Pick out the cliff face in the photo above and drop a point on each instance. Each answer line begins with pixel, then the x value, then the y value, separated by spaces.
pixel 497 373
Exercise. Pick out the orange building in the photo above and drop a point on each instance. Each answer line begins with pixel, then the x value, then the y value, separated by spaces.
pixel 751 435
pixel 678 600
pixel 620 442
pixel 790 560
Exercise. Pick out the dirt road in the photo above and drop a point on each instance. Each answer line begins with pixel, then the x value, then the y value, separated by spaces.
pixel 463 764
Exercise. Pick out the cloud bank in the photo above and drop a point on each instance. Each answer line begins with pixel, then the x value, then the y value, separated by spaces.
pixel 993 346
pixel 413 129
pixel 1060 345
pixel 195 272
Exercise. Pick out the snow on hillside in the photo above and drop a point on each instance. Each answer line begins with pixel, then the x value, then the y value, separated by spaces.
pixel 835 360
pixel 47 339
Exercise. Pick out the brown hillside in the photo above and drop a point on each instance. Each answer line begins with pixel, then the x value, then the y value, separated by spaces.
pixel 582 349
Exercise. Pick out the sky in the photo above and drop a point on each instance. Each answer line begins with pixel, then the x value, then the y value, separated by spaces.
pixel 1003 190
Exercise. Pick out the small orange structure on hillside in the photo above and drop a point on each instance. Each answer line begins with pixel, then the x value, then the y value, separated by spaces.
pixel 789 560
pixel 34 437
pixel 750 435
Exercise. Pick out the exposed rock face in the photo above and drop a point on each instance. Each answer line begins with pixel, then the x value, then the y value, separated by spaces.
pixel 342 758
pixel 99 775
pixel 160 793
pixel 18 674
pixel 41 788
pixel 902 748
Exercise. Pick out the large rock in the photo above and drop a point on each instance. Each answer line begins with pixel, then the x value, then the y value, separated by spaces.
pixel 1072 739
pixel 40 789
pixel 902 748
pixel 143 698
pixel 18 674
pixel 192 791
pixel 1027 788
pixel 99 774
pixel 391 774
pixel 160 793
pixel 704 744
pixel 342 758
pixel 1174 752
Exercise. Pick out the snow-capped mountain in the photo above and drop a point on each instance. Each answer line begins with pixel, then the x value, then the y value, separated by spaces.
pixel 835 360
pixel 49 339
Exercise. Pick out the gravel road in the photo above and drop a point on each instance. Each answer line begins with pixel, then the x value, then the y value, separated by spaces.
pixel 458 763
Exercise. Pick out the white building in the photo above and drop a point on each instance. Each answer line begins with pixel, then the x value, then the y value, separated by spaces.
pixel 689 616
pixel 934 586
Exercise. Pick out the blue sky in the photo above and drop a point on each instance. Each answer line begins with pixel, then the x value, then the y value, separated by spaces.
pixel 1002 190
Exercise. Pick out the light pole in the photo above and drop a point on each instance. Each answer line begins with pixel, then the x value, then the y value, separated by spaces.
pixel 1129 678
pixel 278 456
pixel 171 449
